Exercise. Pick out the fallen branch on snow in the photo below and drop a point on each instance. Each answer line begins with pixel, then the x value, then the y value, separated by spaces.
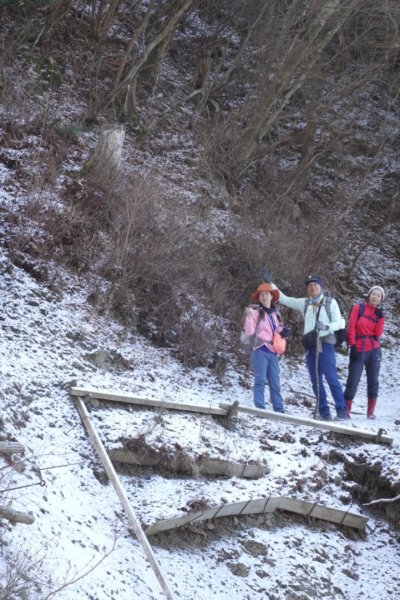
pixel 383 500
pixel 16 516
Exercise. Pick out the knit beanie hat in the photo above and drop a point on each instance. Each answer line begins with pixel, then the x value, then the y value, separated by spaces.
pixel 377 287
pixel 314 279
pixel 265 287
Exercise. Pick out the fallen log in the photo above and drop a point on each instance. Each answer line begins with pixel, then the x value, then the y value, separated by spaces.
pixel 15 516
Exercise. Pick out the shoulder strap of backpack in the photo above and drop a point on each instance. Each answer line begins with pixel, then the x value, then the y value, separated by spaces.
pixel 361 308
pixel 327 304
pixel 361 311
pixel 327 300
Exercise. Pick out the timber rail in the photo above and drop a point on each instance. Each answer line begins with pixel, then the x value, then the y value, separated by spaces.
pixel 225 410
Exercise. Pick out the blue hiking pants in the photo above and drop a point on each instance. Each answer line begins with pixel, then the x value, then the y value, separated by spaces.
pixel 266 370
pixel 371 360
pixel 327 370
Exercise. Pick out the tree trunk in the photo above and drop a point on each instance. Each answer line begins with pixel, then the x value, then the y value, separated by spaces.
pixel 128 80
pixel 298 65
pixel 108 153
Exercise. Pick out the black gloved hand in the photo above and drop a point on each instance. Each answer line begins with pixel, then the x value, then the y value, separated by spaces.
pixel 266 275
pixel 286 331
pixel 321 326
pixel 379 312
pixel 353 352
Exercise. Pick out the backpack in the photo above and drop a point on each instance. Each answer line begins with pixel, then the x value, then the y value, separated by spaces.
pixel 361 310
pixel 340 334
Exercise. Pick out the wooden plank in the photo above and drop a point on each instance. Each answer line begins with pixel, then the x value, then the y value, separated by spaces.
pixel 133 520
pixel 334 515
pixel 11 448
pixel 224 408
pixel 205 466
pixel 334 426
pixel 126 398
pixel 261 506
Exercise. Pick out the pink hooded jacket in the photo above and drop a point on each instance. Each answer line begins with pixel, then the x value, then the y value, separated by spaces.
pixel 265 331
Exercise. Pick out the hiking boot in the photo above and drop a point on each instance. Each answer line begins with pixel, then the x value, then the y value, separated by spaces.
pixel 371 408
pixel 325 418
pixel 342 417
pixel 348 407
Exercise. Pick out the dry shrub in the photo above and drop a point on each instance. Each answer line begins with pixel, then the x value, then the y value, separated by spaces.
pixel 22 576
pixel 164 276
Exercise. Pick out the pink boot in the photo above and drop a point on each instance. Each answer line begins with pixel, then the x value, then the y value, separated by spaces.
pixel 371 408
pixel 348 407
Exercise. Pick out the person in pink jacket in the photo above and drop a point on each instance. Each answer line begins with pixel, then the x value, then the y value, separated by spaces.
pixel 263 321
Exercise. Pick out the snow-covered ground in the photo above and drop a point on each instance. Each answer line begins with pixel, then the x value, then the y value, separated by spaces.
pixel 80 545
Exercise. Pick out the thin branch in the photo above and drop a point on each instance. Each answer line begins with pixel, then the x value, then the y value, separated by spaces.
pixel 84 574
pixel 383 500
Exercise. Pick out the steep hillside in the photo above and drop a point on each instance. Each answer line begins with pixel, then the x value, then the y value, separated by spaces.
pixel 251 137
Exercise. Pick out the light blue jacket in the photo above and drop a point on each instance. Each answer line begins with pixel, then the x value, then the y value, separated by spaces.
pixel 335 322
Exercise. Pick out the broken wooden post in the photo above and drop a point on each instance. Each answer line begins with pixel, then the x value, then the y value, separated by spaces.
pixel 232 411
pixel 108 153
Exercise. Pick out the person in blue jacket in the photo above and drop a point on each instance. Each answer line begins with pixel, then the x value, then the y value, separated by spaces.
pixel 323 323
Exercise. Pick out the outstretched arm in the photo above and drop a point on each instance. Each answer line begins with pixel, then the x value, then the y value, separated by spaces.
pixel 296 303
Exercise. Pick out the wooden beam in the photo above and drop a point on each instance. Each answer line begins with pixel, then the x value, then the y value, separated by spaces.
pixel 205 466
pixel 223 410
pixel 334 426
pixel 11 448
pixel 261 506
pixel 126 398
pixel 133 520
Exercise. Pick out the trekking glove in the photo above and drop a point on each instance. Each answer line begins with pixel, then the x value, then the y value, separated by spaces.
pixel 321 326
pixel 379 313
pixel 353 352
pixel 286 331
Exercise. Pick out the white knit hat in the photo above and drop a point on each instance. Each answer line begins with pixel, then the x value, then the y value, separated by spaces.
pixel 377 287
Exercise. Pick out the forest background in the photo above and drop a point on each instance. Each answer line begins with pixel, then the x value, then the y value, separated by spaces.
pixel 250 133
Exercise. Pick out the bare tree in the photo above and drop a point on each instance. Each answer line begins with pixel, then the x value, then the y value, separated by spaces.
pixel 147 55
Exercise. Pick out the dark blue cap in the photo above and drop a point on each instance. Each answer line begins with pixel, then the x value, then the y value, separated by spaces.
pixel 315 279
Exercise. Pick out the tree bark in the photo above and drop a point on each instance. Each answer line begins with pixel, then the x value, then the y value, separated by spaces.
pixel 128 80
pixel 298 65
pixel 108 153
